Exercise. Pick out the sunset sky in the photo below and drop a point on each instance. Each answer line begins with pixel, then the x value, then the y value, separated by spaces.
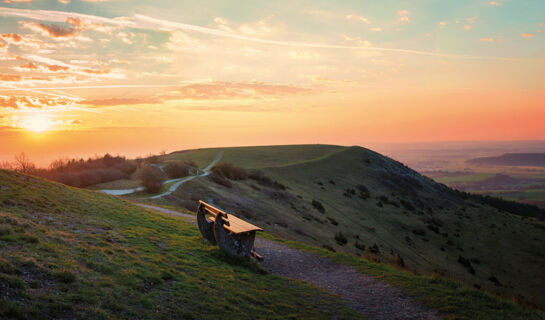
pixel 134 77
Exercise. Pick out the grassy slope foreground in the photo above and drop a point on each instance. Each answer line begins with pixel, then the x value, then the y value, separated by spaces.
pixel 367 204
pixel 69 253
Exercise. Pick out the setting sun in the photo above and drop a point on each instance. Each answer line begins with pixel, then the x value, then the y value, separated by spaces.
pixel 36 123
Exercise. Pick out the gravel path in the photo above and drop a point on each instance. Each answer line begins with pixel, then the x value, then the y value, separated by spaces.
pixel 371 297
pixel 173 187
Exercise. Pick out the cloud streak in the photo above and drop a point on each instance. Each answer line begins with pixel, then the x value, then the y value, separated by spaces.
pixel 150 23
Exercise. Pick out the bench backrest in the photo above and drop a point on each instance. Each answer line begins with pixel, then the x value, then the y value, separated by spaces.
pixel 231 222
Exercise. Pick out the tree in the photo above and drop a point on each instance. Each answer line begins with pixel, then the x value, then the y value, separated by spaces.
pixel 23 164
pixel 139 162
pixel 152 179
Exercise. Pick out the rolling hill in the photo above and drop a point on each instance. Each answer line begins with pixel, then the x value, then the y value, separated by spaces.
pixel 354 200
pixel 67 253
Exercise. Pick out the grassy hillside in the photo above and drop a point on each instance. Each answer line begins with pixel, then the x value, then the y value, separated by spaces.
pixel 69 253
pixel 259 157
pixel 357 201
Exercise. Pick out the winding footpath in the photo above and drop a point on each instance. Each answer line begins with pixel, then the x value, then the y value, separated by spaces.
pixel 173 187
pixel 371 297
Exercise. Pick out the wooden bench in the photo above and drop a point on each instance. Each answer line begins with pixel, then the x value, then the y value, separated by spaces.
pixel 232 234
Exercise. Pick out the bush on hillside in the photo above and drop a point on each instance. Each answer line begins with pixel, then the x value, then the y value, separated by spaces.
pixel 152 179
pixel 218 178
pixel 68 178
pixel 177 169
pixel 318 206
pixel 89 178
pixel 264 180
pixel 340 238
pixel 230 171
pixel 364 192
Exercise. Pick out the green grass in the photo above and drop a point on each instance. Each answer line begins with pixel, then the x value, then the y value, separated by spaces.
pixel 202 157
pixel 430 226
pixel 69 253
pixel 117 184
pixel 259 157
pixel 451 298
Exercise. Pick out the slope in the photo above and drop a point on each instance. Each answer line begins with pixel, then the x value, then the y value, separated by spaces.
pixel 357 201
pixel 69 253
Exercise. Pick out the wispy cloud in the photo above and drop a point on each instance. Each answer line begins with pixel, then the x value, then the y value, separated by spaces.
pixel 52 31
pixel 19 102
pixel 403 16
pixel 146 22
pixel 358 18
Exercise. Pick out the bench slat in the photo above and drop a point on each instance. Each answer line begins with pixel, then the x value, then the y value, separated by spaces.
pixel 236 225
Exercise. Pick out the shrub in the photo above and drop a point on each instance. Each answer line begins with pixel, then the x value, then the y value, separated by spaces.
pixel 433 228
pixel 340 238
pixel 89 178
pixel 65 276
pixel 333 221
pixel 364 193
pixel 152 179
pixel 398 261
pixel 264 180
pixel 329 247
pixel 349 193
pixel 110 174
pixel 177 169
pixel 407 205
pixel 318 206
pixel 68 178
pixel 231 171
pixel 374 249
pixel 218 178
pixel 360 246
pixel 466 263
pixel 126 167
pixel 494 280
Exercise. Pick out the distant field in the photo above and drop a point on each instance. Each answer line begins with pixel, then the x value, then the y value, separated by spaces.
pixel 472 177
pixel 526 195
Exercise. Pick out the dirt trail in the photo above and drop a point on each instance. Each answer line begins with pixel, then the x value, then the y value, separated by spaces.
pixel 371 297
pixel 206 171
pixel 173 187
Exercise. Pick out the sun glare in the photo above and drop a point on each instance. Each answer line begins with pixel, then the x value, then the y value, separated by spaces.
pixel 37 123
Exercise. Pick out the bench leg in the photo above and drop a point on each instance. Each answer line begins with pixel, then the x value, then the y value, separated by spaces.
pixel 206 227
pixel 238 244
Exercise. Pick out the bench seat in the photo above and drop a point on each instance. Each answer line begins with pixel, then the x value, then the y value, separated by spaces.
pixel 231 223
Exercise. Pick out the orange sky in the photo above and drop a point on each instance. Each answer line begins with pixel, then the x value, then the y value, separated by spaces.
pixel 142 79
